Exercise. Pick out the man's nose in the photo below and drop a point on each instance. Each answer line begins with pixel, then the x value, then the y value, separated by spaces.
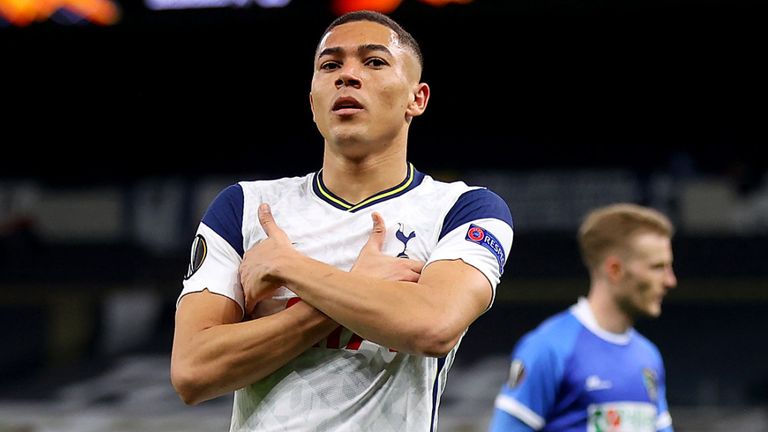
pixel 670 280
pixel 348 78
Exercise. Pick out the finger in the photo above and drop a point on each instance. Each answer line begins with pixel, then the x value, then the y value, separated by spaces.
pixel 268 223
pixel 410 276
pixel 376 239
pixel 415 276
pixel 415 265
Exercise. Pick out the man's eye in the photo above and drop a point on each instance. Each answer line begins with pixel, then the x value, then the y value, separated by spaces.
pixel 375 62
pixel 329 66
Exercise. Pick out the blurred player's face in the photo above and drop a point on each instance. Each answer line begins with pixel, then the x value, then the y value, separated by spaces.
pixel 365 88
pixel 647 276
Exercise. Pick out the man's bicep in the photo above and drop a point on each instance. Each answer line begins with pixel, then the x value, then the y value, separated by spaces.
pixel 460 284
pixel 200 310
pixel 194 349
pixel 482 244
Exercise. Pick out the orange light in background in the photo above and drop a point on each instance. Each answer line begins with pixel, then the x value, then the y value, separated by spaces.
pixel 25 12
pixel 445 2
pixel 386 6
pixel 341 7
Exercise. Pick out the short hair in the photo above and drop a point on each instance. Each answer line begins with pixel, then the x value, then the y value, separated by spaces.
pixel 367 15
pixel 608 228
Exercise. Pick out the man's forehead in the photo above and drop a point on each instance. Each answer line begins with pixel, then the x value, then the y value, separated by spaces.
pixel 351 35
pixel 651 244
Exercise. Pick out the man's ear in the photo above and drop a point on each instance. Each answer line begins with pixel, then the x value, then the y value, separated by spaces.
pixel 613 267
pixel 312 105
pixel 420 99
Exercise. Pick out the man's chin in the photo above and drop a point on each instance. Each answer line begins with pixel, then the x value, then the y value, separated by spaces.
pixel 346 137
pixel 649 312
pixel 653 311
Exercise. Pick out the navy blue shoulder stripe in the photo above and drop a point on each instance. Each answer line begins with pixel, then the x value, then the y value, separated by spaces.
pixel 476 204
pixel 225 216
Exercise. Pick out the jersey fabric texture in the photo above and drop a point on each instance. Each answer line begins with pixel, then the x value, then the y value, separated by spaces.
pixel 571 375
pixel 346 383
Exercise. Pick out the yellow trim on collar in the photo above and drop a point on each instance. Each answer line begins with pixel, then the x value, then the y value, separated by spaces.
pixel 348 207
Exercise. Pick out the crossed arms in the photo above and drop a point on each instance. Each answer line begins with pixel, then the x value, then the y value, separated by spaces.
pixel 394 302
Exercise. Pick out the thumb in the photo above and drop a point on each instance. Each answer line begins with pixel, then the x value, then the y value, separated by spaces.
pixel 268 223
pixel 376 239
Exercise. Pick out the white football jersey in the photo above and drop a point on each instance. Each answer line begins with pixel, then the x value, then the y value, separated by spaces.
pixel 346 383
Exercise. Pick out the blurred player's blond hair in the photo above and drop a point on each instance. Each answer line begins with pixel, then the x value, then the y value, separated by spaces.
pixel 609 229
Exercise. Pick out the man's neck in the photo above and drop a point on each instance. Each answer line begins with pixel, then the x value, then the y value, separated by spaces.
pixel 356 180
pixel 608 314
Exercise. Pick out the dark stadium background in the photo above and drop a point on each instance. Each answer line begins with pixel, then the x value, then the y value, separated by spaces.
pixel 517 87
pixel 556 83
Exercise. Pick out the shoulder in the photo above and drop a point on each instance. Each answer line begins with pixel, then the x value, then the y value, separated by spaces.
pixel 562 323
pixel 275 185
pixel 230 204
pixel 481 198
pixel 230 193
pixel 646 344
pixel 556 333
pixel 546 349
pixel 228 200
pixel 469 202
pixel 456 188
pixel 233 196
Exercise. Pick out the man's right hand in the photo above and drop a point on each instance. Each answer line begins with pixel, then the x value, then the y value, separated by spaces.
pixel 257 270
pixel 372 262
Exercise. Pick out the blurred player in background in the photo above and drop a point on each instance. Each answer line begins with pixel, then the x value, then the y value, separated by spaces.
pixel 586 368
pixel 336 301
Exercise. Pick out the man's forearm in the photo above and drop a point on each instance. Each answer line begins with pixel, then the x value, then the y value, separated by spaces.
pixel 227 357
pixel 406 316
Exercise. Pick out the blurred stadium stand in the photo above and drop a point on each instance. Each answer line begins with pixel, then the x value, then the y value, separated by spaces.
pixel 558 107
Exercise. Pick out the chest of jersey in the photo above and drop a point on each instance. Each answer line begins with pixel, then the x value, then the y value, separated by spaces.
pixel 336 237
pixel 615 385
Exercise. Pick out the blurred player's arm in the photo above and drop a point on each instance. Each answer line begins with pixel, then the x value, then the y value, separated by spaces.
pixel 502 421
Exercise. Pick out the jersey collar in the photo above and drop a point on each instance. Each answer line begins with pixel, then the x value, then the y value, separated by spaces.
pixel 412 179
pixel 586 317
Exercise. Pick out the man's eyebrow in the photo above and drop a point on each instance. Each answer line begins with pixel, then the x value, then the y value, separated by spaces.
pixel 373 47
pixel 362 49
pixel 329 51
